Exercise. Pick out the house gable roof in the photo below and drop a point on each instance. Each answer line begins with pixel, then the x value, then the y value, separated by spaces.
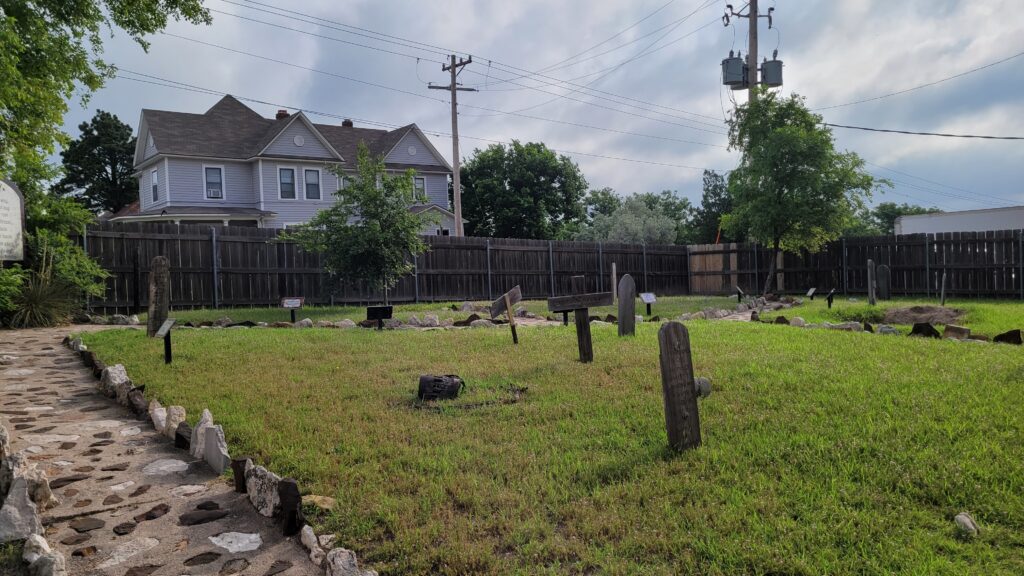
pixel 232 130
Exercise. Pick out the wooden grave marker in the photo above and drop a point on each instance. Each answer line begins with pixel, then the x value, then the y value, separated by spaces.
pixel 627 306
pixel 506 303
pixel 871 282
pixel 579 305
pixel 648 298
pixel 380 314
pixel 883 278
pixel 682 421
pixel 159 294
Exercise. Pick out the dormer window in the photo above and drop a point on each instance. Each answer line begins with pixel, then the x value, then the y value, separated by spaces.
pixel 213 182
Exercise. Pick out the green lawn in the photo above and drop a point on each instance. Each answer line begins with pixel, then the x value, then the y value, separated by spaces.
pixel 824 452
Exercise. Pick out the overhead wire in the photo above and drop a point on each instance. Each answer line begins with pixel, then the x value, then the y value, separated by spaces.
pixel 912 133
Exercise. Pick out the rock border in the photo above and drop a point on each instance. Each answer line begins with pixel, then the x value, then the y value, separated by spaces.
pixel 271 496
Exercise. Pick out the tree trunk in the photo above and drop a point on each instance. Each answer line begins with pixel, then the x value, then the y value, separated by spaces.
pixel 771 269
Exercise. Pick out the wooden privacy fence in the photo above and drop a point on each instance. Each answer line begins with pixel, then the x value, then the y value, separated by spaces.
pixel 214 266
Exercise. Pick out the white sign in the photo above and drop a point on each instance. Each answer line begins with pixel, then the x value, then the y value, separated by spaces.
pixel 648 297
pixel 12 222
pixel 293 302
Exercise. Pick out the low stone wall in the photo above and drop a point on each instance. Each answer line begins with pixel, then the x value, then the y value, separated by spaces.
pixel 271 495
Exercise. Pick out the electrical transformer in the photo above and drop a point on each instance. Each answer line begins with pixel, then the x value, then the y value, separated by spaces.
pixel 734 71
pixel 771 73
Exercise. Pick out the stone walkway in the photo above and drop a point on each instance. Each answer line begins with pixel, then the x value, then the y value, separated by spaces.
pixel 130 503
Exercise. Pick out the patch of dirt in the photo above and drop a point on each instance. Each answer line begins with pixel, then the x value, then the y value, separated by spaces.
pixel 930 314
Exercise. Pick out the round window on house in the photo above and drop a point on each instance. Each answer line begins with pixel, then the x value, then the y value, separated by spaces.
pixel 299 141
pixel 412 150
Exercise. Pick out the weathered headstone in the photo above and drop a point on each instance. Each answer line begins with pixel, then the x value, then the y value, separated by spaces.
pixel 291 506
pixel 871 282
pixel 942 294
pixel 579 305
pixel 952 331
pixel 627 306
pixel 925 330
pixel 506 303
pixel 682 422
pixel 159 294
pixel 883 278
pixel 238 471
pixel 1010 337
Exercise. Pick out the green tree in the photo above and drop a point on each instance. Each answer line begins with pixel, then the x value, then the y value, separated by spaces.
pixel 633 222
pixel 50 50
pixel 369 235
pixel 521 191
pixel 715 203
pixel 886 213
pixel 98 165
pixel 674 207
pixel 792 189
pixel 603 201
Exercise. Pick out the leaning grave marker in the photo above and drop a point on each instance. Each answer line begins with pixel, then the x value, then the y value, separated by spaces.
pixel 627 306
pixel 505 303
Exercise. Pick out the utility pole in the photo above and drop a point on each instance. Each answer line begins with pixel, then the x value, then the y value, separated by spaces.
pixel 752 52
pixel 751 81
pixel 454 88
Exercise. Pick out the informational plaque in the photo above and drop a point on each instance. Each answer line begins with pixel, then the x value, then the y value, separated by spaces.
pixel 292 302
pixel 12 222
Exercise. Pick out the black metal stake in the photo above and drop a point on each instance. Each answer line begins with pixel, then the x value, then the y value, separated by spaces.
pixel 648 309
pixel 380 324
pixel 293 315
pixel 565 318
pixel 167 347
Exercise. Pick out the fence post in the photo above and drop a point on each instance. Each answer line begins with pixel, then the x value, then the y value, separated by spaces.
pixel 644 248
pixel 689 271
pixel 489 292
pixel 551 267
pixel 600 267
pixel 757 271
pixel 1020 256
pixel 927 269
pixel 846 279
pixel 415 279
pixel 216 272
pixel 136 287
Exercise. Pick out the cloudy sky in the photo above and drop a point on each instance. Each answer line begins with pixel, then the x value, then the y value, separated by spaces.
pixel 630 90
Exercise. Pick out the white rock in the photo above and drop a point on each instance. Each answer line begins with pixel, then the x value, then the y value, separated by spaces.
pixel 798 322
pixel 965 525
pixel 50 564
pixel 19 517
pixel 175 416
pixel 638 319
pixel 310 541
pixel 304 323
pixel 99 424
pixel 326 540
pixel 7 360
pixel 127 550
pixel 122 486
pixel 50 438
pixel 38 408
pixel 482 323
pixel 33 449
pixel 132 431
pixel 187 490
pixel 346 323
pixel 216 449
pixel 35 546
pixel 164 467
pixel 342 562
pixel 261 484
pixel 5 443
pixel 236 542
pixel 198 444
pixel 159 417
pixel 113 379
pixel 430 321
pixel 62 463
pixel 19 372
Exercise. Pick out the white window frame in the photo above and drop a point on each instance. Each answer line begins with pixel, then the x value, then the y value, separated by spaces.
pixel 423 179
pixel 223 183
pixel 319 183
pixel 342 182
pixel 295 184
pixel 154 184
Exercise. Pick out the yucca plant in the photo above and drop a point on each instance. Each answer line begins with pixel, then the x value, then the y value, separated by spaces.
pixel 44 300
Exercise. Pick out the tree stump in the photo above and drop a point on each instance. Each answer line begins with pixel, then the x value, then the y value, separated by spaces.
pixel 627 306
pixel 159 294
pixel 682 422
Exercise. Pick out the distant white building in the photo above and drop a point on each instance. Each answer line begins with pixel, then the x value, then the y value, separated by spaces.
pixel 965 221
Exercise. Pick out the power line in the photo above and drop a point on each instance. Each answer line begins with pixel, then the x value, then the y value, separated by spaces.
pixel 284 13
pixel 918 87
pixel 166 83
pixel 985 137
pixel 940 183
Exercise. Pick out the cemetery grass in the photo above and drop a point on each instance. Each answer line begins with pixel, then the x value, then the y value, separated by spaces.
pixel 10 559
pixel 666 307
pixel 824 452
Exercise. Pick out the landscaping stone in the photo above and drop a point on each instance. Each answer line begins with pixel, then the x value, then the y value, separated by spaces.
pixel 18 516
pixel 887 330
pixel 222 322
pixel 482 323
pixel 282 325
pixel 304 323
pixel 198 517
pixel 430 321
pixel 35 547
pixel 113 379
pixel 781 320
pixel 198 441
pixel 925 330
pixel 956 332
pixel 1011 337
pixel 159 417
pixel 309 540
pixel 798 322
pixel 703 386
pixel 233 566
pixel 236 542
pixel 216 449
pixel 88 524
pixel 261 486
pixel 120 320
pixel 183 437
pixel 5 443
pixel 175 416
pixel 51 564
pixel 966 527
pixel 324 324
pixel 127 550
pixel 342 562
pixel 164 467
pixel 346 323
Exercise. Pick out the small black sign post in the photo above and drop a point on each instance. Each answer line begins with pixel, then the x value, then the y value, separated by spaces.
pixel 739 294
pixel 579 305
pixel 165 333
pixel 506 304
pixel 810 293
pixel 292 303
pixel 380 314
pixel 648 299
pixel 831 296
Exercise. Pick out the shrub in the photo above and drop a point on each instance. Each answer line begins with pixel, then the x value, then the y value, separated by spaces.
pixel 44 299
pixel 11 280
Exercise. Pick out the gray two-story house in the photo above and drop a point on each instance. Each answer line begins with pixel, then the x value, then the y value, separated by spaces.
pixel 232 166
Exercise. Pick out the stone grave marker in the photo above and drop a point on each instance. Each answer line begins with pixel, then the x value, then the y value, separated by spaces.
pixel 883 278
pixel 627 306
pixel 579 305
pixel 159 294
pixel 871 282
pixel 506 303
pixel 682 422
